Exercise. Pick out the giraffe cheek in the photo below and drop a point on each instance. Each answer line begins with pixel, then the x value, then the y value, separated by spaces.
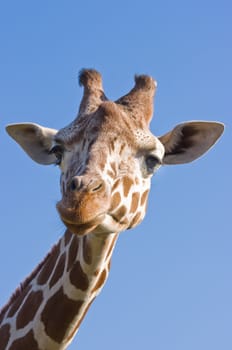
pixel 137 219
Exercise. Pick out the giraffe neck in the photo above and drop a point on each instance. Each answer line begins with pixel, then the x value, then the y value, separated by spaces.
pixel 49 307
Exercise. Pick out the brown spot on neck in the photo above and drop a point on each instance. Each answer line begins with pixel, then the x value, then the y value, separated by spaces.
pixel 4 336
pixel 59 270
pixel 78 278
pixel 72 334
pixel 58 314
pixel 26 342
pixel 29 309
pixel 48 266
pixel 18 302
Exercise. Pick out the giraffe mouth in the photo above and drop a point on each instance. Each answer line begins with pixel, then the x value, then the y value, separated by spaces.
pixel 82 212
pixel 83 227
pixel 103 223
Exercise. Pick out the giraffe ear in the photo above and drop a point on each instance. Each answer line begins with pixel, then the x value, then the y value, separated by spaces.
pixel 188 141
pixel 36 140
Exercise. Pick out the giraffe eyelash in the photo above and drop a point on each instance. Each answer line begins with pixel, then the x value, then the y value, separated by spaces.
pixel 152 163
pixel 58 151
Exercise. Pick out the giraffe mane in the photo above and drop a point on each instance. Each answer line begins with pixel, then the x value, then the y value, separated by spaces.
pixel 23 285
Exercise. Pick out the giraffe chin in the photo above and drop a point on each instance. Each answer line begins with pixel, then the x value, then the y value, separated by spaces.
pixel 110 225
pixel 83 228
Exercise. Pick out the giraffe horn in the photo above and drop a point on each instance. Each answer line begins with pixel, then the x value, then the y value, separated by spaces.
pixel 94 95
pixel 139 101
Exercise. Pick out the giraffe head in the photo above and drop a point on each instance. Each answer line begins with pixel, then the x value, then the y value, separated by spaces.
pixel 108 155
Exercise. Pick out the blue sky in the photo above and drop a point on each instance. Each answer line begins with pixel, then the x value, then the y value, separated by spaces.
pixel 170 285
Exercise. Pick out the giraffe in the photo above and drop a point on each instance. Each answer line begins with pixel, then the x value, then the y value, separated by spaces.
pixel 107 157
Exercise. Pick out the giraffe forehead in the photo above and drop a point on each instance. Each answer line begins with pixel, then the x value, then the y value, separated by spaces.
pixel 94 140
pixel 110 121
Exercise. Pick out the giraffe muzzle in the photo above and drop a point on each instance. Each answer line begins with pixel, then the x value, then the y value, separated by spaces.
pixel 84 205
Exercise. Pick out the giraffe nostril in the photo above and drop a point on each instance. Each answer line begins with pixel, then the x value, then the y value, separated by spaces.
pixel 80 183
pixel 75 184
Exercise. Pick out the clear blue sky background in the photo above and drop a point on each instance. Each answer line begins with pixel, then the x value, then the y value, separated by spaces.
pixel 170 285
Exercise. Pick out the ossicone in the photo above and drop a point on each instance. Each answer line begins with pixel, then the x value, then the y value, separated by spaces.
pixel 90 79
pixel 145 82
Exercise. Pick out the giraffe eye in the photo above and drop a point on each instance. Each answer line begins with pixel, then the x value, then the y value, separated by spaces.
pixel 152 162
pixel 58 151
